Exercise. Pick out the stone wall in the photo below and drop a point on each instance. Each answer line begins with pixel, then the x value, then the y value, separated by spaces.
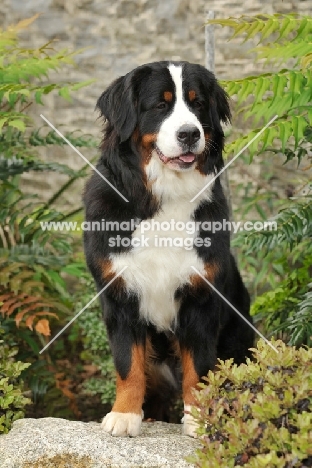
pixel 119 36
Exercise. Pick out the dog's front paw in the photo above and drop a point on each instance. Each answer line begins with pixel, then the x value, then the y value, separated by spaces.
pixel 190 426
pixel 122 424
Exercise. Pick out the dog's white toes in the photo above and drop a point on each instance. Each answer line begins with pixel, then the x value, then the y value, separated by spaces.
pixel 122 424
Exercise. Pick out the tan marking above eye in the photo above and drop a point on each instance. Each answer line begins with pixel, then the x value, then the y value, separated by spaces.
pixel 192 95
pixel 168 96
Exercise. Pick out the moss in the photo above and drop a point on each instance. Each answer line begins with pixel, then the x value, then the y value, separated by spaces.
pixel 258 414
pixel 64 460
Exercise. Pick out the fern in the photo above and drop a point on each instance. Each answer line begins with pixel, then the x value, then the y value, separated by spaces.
pixel 299 326
pixel 287 309
pixel 287 93
pixel 32 289
pixel 19 70
pixel 29 308
pixel 278 259
pixel 265 25
pixel 294 223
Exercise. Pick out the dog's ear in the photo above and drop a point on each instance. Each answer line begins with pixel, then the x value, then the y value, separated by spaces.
pixel 220 108
pixel 217 99
pixel 117 106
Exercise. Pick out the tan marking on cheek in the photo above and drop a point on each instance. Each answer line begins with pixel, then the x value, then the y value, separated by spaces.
pixel 148 139
pixel 192 95
pixel 190 377
pixel 130 391
pixel 168 96
pixel 147 146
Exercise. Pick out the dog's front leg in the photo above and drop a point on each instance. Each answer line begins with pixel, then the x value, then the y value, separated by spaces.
pixel 128 347
pixel 126 415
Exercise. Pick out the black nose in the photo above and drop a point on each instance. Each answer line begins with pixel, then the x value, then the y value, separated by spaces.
pixel 188 134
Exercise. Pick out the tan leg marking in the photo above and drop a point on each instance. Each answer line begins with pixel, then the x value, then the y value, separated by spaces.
pixel 130 392
pixel 126 415
pixel 190 381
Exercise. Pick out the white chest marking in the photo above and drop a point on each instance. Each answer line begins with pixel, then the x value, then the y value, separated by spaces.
pixel 155 272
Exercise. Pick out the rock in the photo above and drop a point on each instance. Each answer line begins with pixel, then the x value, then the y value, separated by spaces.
pixel 58 443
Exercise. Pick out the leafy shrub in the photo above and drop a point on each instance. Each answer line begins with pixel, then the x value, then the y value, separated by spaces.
pixel 34 263
pixel 274 261
pixel 283 39
pixel 257 414
pixel 31 286
pixel 96 350
pixel 12 401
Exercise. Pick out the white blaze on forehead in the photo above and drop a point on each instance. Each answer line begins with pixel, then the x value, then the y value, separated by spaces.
pixel 176 74
pixel 181 114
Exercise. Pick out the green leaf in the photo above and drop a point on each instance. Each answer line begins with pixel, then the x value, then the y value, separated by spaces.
pixel 65 93
pixel 19 124
pixel 3 121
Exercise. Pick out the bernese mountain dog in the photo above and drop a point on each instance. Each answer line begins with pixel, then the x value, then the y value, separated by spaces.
pixel 162 146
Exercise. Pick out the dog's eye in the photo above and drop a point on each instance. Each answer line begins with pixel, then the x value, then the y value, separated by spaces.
pixel 197 105
pixel 161 105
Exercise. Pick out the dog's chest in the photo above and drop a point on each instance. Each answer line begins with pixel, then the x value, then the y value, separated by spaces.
pixel 160 264
pixel 163 261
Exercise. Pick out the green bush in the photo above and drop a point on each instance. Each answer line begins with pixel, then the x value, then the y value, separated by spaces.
pixel 286 92
pixel 35 264
pixel 257 414
pixel 12 401
pixel 96 350
pixel 32 289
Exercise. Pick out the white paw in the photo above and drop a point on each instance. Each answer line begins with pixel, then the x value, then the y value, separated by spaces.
pixel 122 424
pixel 190 426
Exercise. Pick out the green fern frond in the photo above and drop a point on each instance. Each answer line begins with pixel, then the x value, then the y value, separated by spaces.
pixel 287 94
pixel 294 223
pixel 15 142
pixel 11 92
pixel 14 166
pixel 259 87
pixel 306 61
pixel 299 326
pixel 8 37
pixel 52 138
pixel 282 129
pixel 280 53
pixel 266 25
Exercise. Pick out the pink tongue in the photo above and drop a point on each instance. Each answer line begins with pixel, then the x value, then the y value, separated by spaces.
pixel 187 157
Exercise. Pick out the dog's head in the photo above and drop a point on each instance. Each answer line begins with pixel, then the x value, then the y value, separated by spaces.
pixel 169 111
